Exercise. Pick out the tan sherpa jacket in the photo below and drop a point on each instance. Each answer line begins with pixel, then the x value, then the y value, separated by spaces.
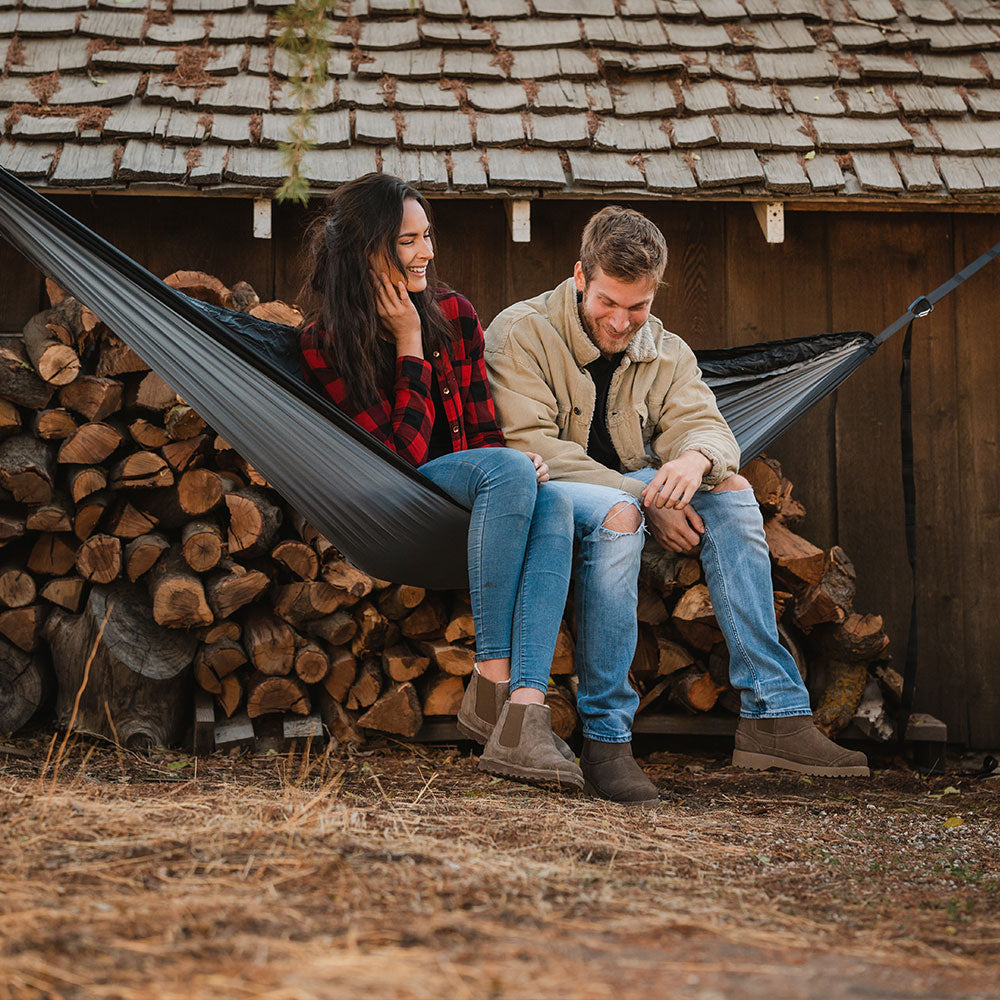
pixel 535 354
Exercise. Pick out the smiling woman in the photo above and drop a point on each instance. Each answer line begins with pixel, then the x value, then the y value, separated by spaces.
pixel 403 357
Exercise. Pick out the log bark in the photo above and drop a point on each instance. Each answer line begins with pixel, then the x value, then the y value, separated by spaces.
pixel 845 687
pixel 26 685
pixel 182 423
pixel 253 521
pixel 49 348
pixel 55 515
pixel 374 630
pixel 857 638
pixel 19 382
pixel 428 621
pixel 141 470
pixel 693 689
pixel 117 358
pixel 398 601
pixel 366 687
pixel 27 469
pixel 831 598
pixel 10 418
pixel 694 618
pixel 336 629
pixel 200 285
pixel 455 660
pixel 306 600
pixel 84 480
pixel 338 723
pixel 564 659
pixel 234 586
pixel 341 675
pixel 402 664
pixel 139 671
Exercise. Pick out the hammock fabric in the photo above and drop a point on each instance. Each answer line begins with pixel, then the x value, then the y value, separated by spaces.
pixel 242 375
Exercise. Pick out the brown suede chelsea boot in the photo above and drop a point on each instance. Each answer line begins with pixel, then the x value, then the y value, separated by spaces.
pixel 521 748
pixel 480 709
pixel 610 772
pixel 795 744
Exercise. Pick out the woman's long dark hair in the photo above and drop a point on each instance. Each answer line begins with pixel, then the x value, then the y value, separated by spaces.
pixel 362 225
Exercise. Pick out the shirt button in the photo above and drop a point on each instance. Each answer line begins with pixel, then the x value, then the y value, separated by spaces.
pixel 577 410
pixel 437 354
pixel 454 430
pixel 446 391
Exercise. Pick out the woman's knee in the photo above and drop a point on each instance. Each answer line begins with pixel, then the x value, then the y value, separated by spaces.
pixel 554 504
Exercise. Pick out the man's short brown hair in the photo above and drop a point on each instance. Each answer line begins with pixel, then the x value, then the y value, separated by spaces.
pixel 624 244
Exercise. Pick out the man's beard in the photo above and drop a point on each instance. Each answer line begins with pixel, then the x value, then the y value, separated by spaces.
pixel 601 340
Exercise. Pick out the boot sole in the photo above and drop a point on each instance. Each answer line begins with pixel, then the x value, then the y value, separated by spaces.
pixel 762 761
pixel 593 793
pixel 471 734
pixel 530 775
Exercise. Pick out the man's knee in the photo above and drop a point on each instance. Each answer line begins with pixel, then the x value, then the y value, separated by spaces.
pixel 736 482
pixel 624 518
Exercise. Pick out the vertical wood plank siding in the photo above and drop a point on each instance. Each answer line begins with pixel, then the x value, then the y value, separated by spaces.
pixel 725 286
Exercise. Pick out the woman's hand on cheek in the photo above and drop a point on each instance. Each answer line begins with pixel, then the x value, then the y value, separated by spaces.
pixel 398 314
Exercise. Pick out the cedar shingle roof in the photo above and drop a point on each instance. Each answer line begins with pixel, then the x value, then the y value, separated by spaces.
pixel 884 99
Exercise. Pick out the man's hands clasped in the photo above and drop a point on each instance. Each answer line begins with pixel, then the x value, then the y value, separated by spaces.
pixel 670 518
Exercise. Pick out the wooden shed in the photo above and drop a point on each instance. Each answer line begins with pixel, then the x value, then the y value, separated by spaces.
pixel 814 164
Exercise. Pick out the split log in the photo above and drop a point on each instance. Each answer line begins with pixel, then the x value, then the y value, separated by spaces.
pixel 462 625
pixel 374 630
pixel 693 689
pixel 306 600
pixel 142 553
pixel 253 521
pixel 336 629
pixel 856 638
pixel 402 664
pixel 19 382
pixel 831 597
pixel 199 285
pixel 17 587
pixel 115 357
pixel 83 480
pixel 52 425
pixel 218 631
pixel 718 669
pixel 136 674
pixel 428 621
pixel 128 521
pixel 443 695
pixel 456 660
pixel 671 657
pixel 65 591
pixel 91 444
pixel 26 684
pixel 269 642
pixel 342 673
pixel 658 568
pixel 164 507
pixel 12 524
pixel 94 398
pixel 89 512
pixel 147 434
pixel 764 475
pixel 230 697
pixel 217 660
pixel 297 557
pixel 49 348
pixel 651 609
pixel 562 710
pixel 366 687
pixel 151 393
pixel 178 595
pixel 797 561
pixel 182 423
pixel 338 723
pixel 186 454
pixel 52 555
pixel 27 469
pixel 397 711
pixel 311 663
pixel 694 618
pixel 23 626
pixel 267 694
pixel 344 576
pixel 398 601
pixel 201 545
pixel 140 470
pixel 99 558
pixel 890 680
pixel 564 660
pixel 689 572
pixel 55 515
pixel 10 419
pixel 277 312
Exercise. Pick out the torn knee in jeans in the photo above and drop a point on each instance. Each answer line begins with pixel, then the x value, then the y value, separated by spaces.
pixel 624 517
pixel 732 483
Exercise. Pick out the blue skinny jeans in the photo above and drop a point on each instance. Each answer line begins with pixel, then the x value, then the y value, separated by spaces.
pixel 520 556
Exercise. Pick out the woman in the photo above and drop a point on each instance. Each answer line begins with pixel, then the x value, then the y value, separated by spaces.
pixel 404 359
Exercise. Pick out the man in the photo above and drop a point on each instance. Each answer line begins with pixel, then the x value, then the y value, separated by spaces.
pixel 584 376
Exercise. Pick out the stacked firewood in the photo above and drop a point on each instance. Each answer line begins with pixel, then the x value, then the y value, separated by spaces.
pixel 146 566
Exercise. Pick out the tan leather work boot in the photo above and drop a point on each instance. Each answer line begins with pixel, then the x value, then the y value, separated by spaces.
pixel 481 706
pixel 794 744
pixel 611 773
pixel 521 748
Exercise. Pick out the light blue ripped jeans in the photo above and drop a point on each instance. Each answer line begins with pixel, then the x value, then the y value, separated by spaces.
pixel 737 567
pixel 520 554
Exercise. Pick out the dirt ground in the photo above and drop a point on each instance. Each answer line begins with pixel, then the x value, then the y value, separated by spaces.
pixel 403 872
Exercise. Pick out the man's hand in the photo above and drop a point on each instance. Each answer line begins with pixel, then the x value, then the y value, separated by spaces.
pixel 541 469
pixel 677 481
pixel 677 531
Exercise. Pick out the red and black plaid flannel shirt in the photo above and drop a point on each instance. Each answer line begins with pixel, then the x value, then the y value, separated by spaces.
pixel 403 419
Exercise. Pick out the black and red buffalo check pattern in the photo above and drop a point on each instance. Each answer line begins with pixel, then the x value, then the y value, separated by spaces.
pixel 402 419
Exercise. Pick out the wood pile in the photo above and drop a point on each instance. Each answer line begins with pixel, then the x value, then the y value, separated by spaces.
pixel 145 562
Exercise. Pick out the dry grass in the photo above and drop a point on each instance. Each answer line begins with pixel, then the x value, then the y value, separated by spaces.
pixel 404 872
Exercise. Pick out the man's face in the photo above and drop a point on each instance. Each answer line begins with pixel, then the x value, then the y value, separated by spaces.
pixel 612 311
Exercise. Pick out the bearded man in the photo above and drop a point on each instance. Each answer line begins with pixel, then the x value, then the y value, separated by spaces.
pixel 586 377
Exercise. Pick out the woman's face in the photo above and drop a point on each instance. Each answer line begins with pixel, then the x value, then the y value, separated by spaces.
pixel 413 246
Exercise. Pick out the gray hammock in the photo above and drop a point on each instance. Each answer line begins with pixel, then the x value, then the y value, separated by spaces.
pixel 242 375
